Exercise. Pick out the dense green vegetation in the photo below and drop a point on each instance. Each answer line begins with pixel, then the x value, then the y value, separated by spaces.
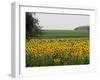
pixel 45 60
pixel 32 26
pixel 82 28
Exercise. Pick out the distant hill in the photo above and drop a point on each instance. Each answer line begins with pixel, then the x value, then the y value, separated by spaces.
pixel 82 28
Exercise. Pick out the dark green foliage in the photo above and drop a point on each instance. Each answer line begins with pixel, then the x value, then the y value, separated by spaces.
pixel 82 28
pixel 45 60
pixel 38 60
pixel 32 26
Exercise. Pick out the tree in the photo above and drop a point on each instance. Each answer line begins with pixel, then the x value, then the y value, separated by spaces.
pixel 32 26
pixel 82 28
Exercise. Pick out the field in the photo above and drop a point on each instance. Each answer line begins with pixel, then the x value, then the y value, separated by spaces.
pixel 65 34
pixel 58 47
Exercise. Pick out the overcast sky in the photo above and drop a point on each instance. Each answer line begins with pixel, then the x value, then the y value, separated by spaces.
pixel 59 21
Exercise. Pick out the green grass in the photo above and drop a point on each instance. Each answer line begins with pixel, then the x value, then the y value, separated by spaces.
pixel 64 34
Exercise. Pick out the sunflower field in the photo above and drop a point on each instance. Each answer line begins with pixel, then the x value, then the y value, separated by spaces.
pixel 53 52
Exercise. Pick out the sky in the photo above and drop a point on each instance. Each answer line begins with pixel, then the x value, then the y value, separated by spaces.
pixel 61 21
